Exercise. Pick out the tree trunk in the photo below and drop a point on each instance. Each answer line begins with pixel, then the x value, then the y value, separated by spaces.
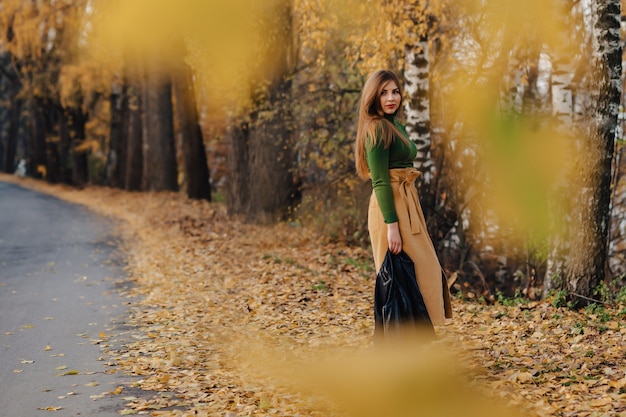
pixel 10 142
pixel 440 217
pixel 9 134
pixel 417 107
pixel 54 149
pixel 239 182
pixel 617 241
pixel 194 154
pixel 75 120
pixel 159 152
pixel 114 171
pixel 261 184
pixel 512 99
pixel 133 131
pixel 271 161
pixel 586 268
pixel 37 163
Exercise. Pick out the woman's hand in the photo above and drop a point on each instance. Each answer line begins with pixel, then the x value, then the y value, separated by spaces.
pixel 394 238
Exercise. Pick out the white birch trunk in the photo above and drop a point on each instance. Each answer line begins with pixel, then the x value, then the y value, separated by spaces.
pixel 512 96
pixel 417 106
pixel 586 266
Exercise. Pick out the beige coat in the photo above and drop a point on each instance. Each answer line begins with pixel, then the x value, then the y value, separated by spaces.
pixel 415 242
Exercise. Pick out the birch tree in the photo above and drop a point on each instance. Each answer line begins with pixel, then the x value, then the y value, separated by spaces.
pixel 586 266
pixel 617 240
pixel 417 105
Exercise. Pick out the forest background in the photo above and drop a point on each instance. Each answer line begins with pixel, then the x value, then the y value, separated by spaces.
pixel 514 106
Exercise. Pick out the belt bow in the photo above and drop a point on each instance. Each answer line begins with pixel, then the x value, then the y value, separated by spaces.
pixel 406 179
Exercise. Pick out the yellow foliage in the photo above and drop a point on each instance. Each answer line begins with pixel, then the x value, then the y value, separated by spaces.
pixel 38 25
pixel 228 41
pixel 88 145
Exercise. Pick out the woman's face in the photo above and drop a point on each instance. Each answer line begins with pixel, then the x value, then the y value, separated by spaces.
pixel 390 97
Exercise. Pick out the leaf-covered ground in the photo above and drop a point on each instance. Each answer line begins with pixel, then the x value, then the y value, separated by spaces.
pixel 226 315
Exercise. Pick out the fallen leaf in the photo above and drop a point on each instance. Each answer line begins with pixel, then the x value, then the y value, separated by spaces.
pixel 71 372
pixel 600 402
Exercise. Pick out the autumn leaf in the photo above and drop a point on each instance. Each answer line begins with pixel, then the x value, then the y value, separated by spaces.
pixel 522 377
pixel 71 372
pixel 50 408
pixel 600 402
pixel 117 391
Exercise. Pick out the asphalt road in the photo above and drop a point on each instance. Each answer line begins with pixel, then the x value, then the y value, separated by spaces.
pixel 60 308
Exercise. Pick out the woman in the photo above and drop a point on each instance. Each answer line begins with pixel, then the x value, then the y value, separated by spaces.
pixel 396 223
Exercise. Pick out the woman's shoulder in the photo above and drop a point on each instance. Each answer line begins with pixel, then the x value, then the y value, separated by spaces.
pixel 399 124
pixel 401 127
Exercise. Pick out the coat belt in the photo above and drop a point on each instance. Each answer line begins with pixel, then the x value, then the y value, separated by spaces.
pixel 405 180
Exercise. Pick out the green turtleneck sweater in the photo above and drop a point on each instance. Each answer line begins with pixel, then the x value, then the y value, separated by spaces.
pixel 380 161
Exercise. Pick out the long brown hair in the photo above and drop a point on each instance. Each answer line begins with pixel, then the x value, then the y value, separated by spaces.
pixel 372 125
